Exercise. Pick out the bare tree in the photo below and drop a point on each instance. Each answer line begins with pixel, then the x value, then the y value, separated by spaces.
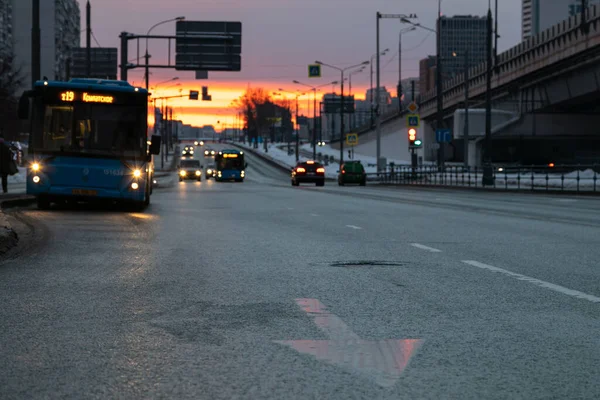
pixel 258 109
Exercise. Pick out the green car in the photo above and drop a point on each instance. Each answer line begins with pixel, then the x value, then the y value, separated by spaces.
pixel 352 172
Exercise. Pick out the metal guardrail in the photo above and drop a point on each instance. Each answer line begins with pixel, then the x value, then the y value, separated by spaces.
pixel 564 178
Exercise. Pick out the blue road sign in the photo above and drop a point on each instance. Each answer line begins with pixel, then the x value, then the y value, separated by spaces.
pixel 314 71
pixel 443 135
pixel 253 140
pixel 412 121
pixel 260 139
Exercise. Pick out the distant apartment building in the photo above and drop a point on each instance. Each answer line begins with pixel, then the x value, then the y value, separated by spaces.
pixel 539 15
pixel 427 74
pixel 60 34
pixel 6 28
pixel 460 34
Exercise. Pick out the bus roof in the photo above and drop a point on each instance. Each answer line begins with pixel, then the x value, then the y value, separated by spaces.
pixel 93 84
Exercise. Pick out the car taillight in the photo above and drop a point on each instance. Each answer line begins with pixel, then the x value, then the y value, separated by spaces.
pixel 343 171
pixel 300 169
pixel 320 170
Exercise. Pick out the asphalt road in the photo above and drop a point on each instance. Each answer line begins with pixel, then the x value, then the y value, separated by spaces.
pixel 259 290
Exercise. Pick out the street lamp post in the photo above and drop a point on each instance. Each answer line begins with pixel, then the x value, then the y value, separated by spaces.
pixel 350 90
pixel 379 16
pixel 384 52
pixel 400 89
pixel 314 131
pixel 342 70
pixel 147 56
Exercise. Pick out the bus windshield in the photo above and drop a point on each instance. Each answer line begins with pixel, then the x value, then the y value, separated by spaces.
pixel 230 163
pixel 118 130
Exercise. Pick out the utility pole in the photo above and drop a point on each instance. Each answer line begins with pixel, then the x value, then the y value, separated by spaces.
pixel 342 120
pixel 488 173
pixel 35 42
pixel 314 123
pixel 297 130
pixel 466 127
pixel 439 85
pixel 399 89
pixel 88 39
pixel 124 55
pixel 378 97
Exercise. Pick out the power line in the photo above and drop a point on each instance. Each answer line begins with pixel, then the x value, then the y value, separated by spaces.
pixel 95 40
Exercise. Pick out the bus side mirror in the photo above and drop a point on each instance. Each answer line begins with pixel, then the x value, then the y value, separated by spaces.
pixel 23 110
pixel 155 145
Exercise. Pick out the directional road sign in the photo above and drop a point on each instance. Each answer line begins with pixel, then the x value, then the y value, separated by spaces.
pixel 352 139
pixel 314 71
pixel 412 121
pixel 413 107
pixel 443 135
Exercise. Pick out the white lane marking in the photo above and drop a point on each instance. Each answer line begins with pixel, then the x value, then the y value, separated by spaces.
pixel 290 208
pixel 547 285
pixel 566 200
pixel 423 247
pixel 353 226
pixel 381 360
pixel 314 215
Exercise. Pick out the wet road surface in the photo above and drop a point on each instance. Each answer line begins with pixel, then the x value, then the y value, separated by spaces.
pixel 260 290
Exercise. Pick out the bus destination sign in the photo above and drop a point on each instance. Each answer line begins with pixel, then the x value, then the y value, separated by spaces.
pixel 86 97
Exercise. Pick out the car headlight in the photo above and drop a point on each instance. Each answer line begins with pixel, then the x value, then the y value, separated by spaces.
pixel 35 167
pixel 191 152
pixel 209 171
pixel 182 173
pixel 137 173
pixel 198 173
pixel 183 153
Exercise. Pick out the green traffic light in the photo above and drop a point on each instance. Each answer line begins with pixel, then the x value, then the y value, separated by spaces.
pixel 418 142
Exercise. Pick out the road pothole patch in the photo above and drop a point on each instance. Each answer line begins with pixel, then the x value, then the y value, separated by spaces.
pixel 366 263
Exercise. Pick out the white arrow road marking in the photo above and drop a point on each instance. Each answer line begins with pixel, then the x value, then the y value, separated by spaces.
pixel 381 360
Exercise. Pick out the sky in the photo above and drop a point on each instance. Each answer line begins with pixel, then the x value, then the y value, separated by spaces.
pixel 279 39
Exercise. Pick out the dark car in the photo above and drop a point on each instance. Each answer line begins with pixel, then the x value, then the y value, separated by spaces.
pixel 190 169
pixel 208 152
pixel 308 172
pixel 352 172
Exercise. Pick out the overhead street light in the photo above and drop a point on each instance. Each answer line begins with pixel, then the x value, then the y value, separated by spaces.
pixel 147 56
pixel 342 70
pixel 314 90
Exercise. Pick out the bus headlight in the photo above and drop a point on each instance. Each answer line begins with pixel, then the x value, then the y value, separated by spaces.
pixel 137 173
pixel 36 179
pixel 243 173
pixel 182 173
pixel 219 173
pixel 35 167
pixel 135 186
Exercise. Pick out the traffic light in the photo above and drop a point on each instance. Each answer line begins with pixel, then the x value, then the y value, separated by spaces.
pixel 205 95
pixel 413 142
pixel 193 95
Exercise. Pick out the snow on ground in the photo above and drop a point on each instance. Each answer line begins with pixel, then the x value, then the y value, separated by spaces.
pixel 278 153
pixel 19 177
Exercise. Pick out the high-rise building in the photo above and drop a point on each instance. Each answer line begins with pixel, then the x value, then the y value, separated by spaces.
pixel 459 34
pixel 539 15
pixel 60 23
pixel 6 41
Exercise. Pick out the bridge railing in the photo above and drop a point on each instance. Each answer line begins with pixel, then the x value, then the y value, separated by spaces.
pixel 555 44
pixel 565 178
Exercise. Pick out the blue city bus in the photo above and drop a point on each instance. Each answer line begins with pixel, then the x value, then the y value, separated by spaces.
pixel 89 140
pixel 230 166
